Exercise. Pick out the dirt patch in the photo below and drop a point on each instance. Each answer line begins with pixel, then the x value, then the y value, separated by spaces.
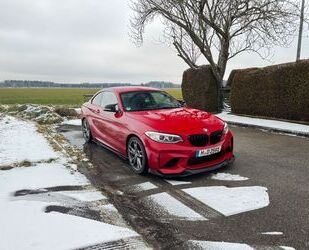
pixel 66 112
pixel 25 164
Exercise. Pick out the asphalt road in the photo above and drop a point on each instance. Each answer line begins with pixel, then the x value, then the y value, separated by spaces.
pixel 277 162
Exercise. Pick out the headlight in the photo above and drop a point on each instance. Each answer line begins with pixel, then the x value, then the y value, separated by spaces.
pixel 226 129
pixel 163 138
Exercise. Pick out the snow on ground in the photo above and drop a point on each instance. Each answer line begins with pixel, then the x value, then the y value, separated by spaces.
pixel 25 226
pixel 264 123
pixel 228 177
pixel 219 245
pixel 174 207
pixel 41 176
pixel 287 248
pixel 20 142
pixel 86 195
pixel 78 110
pixel 215 245
pixel 272 233
pixel 75 122
pixel 231 201
pixel 176 183
pixel 24 222
pixel 34 229
pixel 144 186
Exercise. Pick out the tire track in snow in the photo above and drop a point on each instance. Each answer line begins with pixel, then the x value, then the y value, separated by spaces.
pixel 188 200
pixel 130 243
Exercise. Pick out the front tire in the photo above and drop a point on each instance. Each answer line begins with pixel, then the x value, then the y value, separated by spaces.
pixel 137 156
pixel 86 131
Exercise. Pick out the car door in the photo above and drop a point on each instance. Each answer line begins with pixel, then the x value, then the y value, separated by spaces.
pixel 94 117
pixel 112 122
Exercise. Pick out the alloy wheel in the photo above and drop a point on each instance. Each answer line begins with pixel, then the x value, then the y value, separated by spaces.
pixel 86 131
pixel 136 155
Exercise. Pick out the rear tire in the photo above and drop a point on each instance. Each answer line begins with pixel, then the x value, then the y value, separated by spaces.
pixel 86 131
pixel 137 156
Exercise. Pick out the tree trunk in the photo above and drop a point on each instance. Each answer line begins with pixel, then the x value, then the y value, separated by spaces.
pixel 220 97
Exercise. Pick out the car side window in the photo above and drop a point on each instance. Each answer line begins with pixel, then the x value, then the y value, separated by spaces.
pixel 108 98
pixel 97 99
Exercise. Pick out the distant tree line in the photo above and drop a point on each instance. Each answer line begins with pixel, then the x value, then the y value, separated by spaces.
pixel 46 84
pixel 161 85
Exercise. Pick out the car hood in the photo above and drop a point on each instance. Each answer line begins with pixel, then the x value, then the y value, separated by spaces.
pixel 180 120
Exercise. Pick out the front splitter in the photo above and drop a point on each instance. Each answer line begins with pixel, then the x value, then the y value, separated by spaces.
pixel 189 172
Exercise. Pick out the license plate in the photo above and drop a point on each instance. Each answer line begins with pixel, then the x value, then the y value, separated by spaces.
pixel 208 151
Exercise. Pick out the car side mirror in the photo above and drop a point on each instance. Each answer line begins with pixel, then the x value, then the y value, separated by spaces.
pixel 111 108
pixel 182 103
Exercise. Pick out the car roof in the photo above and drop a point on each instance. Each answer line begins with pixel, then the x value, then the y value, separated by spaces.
pixel 120 90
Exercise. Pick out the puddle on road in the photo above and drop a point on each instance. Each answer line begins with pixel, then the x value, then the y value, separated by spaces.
pixel 75 138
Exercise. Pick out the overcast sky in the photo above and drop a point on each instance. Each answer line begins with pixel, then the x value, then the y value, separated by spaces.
pixel 88 41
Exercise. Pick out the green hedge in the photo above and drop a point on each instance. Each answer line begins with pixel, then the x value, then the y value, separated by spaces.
pixel 280 91
pixel 199 89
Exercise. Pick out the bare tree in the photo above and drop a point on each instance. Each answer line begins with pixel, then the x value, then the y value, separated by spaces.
pixel 218 30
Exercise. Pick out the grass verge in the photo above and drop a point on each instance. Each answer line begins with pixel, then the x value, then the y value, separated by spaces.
pixel 61 96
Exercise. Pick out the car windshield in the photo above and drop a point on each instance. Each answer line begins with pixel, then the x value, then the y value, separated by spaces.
pixel 148 100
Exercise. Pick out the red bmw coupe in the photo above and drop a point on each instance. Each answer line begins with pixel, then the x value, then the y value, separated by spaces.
pixel 155 133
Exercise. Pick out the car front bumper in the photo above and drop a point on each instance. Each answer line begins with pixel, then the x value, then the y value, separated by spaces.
pixel 189 172
pixel 180 159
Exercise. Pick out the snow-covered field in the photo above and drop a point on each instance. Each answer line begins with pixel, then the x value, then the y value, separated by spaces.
pixel 29 197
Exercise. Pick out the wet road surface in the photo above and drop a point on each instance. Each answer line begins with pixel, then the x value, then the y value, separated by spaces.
pixel 194 212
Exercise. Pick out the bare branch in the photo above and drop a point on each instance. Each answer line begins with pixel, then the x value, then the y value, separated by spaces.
pixel 218 30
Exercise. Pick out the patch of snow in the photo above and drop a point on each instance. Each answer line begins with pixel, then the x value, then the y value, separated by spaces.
pixel 144 186
pixel 20 142
pixel 109 207
pixel 38 228
pixel 272 233
pixel 85 195
pixel 270 124
pixel 228 177
pixel 75 122
pixel 175 207
pixel 219 245
pixel 78 110
pixel 35 229
pixel 287 248
pixel 176 183
pixel 231 201
pixel 41 176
